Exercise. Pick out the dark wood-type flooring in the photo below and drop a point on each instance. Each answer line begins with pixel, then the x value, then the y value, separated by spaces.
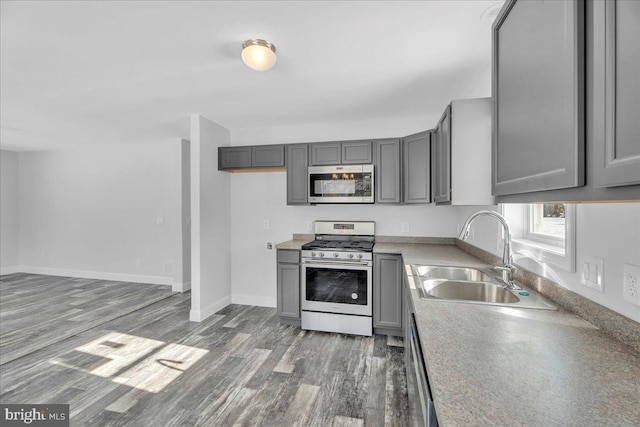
pixel 153 367
pixel 38 310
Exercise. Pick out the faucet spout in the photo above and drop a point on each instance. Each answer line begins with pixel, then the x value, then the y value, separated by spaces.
pixel 507 255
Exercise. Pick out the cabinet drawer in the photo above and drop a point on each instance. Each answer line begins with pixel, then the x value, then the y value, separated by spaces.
pixel 289 256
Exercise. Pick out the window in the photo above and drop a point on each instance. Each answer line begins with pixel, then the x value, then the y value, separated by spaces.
pixel 546 223
pixel 544 233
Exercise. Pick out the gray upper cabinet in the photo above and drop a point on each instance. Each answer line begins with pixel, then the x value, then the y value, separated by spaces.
pixel 265 156
pixel 616 70
pixel 388 170
pixel 325 153
pixel 234 157
pixel 357 152
pixel 341 153
pixel 297 158
pixel 251 157
pixel 417 168
pixel 441 161
pixel 387 292
pixel 461 154
pixel 538 93
pixel 288 279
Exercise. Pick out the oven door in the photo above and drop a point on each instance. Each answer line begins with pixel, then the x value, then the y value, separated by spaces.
pixel 341 184
pixel 336 287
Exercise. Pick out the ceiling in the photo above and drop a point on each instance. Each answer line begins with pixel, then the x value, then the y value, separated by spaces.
pixel 91 73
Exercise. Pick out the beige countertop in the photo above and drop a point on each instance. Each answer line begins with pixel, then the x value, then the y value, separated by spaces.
pixel 495 366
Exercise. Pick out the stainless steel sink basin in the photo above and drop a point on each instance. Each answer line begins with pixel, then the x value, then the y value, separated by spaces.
pixel 473 291
pixel 471 285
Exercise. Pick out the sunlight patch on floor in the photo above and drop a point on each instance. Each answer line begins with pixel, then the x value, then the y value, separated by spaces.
pixel 138 362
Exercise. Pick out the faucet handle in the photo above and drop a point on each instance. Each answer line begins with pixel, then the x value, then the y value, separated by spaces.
pixel 507 270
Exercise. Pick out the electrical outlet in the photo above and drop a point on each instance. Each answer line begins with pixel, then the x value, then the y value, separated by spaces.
pixel 269 246
pixel 405 227
pixel 309 226
pixel 138 262
pixel 160 220
pixel 266 224
pixel 631 283
pixel 592 272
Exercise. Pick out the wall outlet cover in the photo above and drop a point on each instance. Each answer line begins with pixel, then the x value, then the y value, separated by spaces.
pixel 269 246
pixel 631 283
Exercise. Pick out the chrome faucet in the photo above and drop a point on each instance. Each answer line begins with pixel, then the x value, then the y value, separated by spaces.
pixel 507 267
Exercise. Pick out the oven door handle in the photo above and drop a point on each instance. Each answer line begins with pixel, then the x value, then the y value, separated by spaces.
pixel 329 263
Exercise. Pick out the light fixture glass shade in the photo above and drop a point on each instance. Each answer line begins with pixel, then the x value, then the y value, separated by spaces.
pixel 259 55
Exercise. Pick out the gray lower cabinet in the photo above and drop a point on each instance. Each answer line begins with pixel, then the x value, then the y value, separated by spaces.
pixel 538 91
pixel 288 292
pixel 325 153
pixel 387 294
pixel 441 159
pixel 388 171
pixel 616 71
pixel 417 168
pixel 297 161
pixel 251 157
pixel 357 153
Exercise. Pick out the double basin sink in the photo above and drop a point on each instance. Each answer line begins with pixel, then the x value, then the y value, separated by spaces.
pixel 472 285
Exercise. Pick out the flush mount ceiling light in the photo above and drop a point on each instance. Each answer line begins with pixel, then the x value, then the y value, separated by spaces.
pixel 258 54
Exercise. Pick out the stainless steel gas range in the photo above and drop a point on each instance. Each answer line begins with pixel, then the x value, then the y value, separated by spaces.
pixel 337 278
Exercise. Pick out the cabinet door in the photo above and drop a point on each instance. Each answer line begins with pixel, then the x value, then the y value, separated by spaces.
pixel 234 157
pixel 442 160
pixel 289 290
pixel 326 153
pixel 538 92
pixel 267 156
pixel 387 291
pixel 616 38
pixel 297 187
pixel 417 168
pixel 388 171
pixel 357 152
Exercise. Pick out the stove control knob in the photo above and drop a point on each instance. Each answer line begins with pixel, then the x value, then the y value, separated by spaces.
pixel 336 254
pixel 313 254
pixel 350 255
pixel 321 254
pixel 359 255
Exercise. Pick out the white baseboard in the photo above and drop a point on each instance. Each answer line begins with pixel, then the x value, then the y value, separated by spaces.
pixel 200 315
pixel 253 300
pixel 10 270
pixel 181 287
pixel 97 275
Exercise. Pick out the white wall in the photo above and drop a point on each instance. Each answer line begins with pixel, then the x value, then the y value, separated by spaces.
pixel 606 230
pixel 210 219
pixel 95 212
pixel 9 212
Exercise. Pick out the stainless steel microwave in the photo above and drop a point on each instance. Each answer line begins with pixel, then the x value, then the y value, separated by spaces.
pixel 341 184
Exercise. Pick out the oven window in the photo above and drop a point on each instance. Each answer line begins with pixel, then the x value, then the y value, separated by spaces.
pixel 336 286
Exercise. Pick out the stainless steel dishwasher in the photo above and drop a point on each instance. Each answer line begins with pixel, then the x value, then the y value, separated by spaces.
pixel 421 409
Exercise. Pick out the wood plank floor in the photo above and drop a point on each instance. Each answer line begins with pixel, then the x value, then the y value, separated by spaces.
pixel 38 310
pixel 239 367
